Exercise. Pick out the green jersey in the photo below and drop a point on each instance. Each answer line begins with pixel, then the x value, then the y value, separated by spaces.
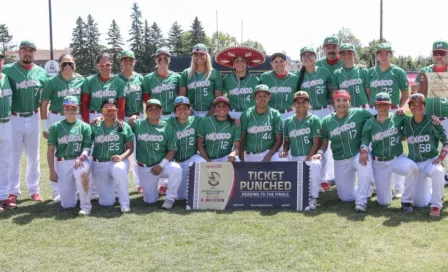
pixel 70 138
pixel 100 90
pixel 354 81
pixel 153 141
pixel 5 97
pixel 323 63
pixel 186 134
pixel 423 138
pixel 110 141
pixel 316 84
pixel 240 91
pixel 219 136
pixel 345 133
pixel 391 81
pixel 282 89
pixel 133 92
pixel 163 89
pixel 26 86
pixel 301 133
pixel 260 129
pixel 434 106
pixel 384 136
pixel 201 90
pixel 57 88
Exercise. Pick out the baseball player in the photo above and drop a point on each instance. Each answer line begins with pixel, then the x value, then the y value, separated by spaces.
pixel 423 140
pixel 156 147
pixel 113 144
pixel 332 60
pixel 261 129
pixel 351 77
pixel 162 84
pixel 282 85
pixel 5 136
pixel 302 134
pixel 69 141
pixel 27 81
pixel 239 85
pixel 384 132
pixel 66 83
pixel 343 128
pixel 201 83
pixel 133 92
pixel 218 135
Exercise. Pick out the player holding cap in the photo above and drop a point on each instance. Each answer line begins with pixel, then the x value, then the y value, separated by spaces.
pixel 113 144
pixel 332 61
pixel 156 147
pixel 201 83
pixel 186 127
pixel 343 128
pixel 163 84
pixel 261 129
pixel 240 83
pixel 302 134
pixel 69 141
pixel 26 80
pixel 423 140
pixel 282 85
pixel 351 77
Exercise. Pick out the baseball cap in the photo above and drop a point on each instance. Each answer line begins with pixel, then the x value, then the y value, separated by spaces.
pixel 301 94
pixel 153 102
pixel 416 97
pixel 27 43
pixel 109 101
pixel 347 47
pixel 342 94
pixel 199 48
pixel 382 98
pixel 181 100
pixel 279 54
pixel 70 101
pixel 331 40
pixel 307 49
pixel 162 50
pixel 384 46
pixel 262 88
pixel 440 45
pixel 127 54
pixel 221 99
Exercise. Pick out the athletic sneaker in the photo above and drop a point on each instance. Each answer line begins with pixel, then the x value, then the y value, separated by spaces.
pixel 168 204
pixel 57 199
pixel 313 203
pixel 360 208
pixel 398 193
pixel 8 204
pixel 435 211
pixel 140 190
pixel 36 197
pixel 407 207
pixel 84 212
pixel 13 198
pixel 325 187
pixel 125 210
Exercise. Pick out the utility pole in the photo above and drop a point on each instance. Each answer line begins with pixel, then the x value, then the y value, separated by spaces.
pixel 51 30
pixel 381 20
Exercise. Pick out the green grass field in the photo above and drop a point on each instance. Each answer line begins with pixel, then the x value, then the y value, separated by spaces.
pixel 43 237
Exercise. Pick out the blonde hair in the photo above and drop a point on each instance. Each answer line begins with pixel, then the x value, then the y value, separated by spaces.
pixel 208 67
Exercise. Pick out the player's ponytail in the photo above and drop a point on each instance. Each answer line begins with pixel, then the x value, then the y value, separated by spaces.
pixel 301 76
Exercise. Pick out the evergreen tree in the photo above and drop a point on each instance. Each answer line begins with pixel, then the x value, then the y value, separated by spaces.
pixel 92 41
pixel 174 41
pixel 115 42
pixel 136 37
pixel 6 44
pixel 197 33
pixel 147 49
pixel 79 47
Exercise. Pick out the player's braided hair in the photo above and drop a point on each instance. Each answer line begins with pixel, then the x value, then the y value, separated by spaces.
pixel 118 122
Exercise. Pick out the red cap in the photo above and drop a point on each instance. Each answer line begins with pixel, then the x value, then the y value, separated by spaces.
pixel 341 94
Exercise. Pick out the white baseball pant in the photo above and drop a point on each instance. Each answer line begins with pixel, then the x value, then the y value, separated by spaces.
pixel 70 181
pixel 250 157
pixel 444 124
pixel 382 173
pixel 133 159
pixel 93 191
pixel 200 113
pixel 182 192
pixel 172 171
pixel 287 114
pixel 235 114
pixel 345 179
pixel 25 134
pixel 5 158
pixel 108 176
pixel 421 189
pixel 315 170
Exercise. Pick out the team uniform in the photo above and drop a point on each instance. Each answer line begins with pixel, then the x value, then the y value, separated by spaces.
pixel 322 62
pixel 70 139
pixel 164 89
pixel 153 143
pixel 239 91
pixel 201 90
pixel 5 135
pixel 354 81
pixel 345 136
pixel 110 141
pixel 282 92
pixel 26 88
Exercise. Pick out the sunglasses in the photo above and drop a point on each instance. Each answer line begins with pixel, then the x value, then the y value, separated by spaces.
pixel 439 53
pixel 64 64
pixel 105 65
pixel 109 110
pixel 160 59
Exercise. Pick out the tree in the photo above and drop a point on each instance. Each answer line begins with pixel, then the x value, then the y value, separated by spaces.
pixel 147 49
pixel 254 44
pixel 92 42
pixel 115 42
pixel 222 40
pixel 136 38
pixel 157 39
pixel 422 61
pixel 79 47
pixel 320 52
pixel 6 43
pixel 174 41
pixel 367 55
pixel 185 40
pixel 346 36
pixel 197 33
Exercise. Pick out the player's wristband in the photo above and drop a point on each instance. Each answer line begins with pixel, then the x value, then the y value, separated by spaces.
pixel 163 163
pixel 320 152
pixel 443 154
pixel 45 125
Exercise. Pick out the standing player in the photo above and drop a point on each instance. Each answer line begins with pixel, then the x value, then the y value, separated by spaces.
pixel 66 83
pixel 5 136
pixel 282 85
pixel 69 141
pixel 156 147
pixel 332 61
pixel 352 78
pixel 303 133
pixel 423 140
pixel 240 83
pixel 27 81
pixel 201 83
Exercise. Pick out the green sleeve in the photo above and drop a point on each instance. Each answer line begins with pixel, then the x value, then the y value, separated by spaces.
pixel 86 136
pixel 120 90
pixel 171 138
pixel 127 133
pixel 47 91
pixel 286 128
pixel 366 133
pixel 403 82
pixel 224 87
pixel 52 135
pixel 218 80
pixel 440 134
pixel 316 128
pixel 183 78
pixel 325 129
pixel 334 80
pixel 145 84
pixel 236 133
pixel 243 120
pixel 201 127
pixel 278 124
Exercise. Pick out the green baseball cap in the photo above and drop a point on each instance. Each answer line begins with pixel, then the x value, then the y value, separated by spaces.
pixel 70 101
pixel 162 50
pixel 416 97
pixel 384 46
pixel 307 49
pixel 331 40
pixel 262 88
pixel 382 98
pixel 127 54
pixel 199 48
pixel 301 94
pixel 278 54
pixel 347 47
pixel 153 102
pixel 440 45
pixel 27 43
